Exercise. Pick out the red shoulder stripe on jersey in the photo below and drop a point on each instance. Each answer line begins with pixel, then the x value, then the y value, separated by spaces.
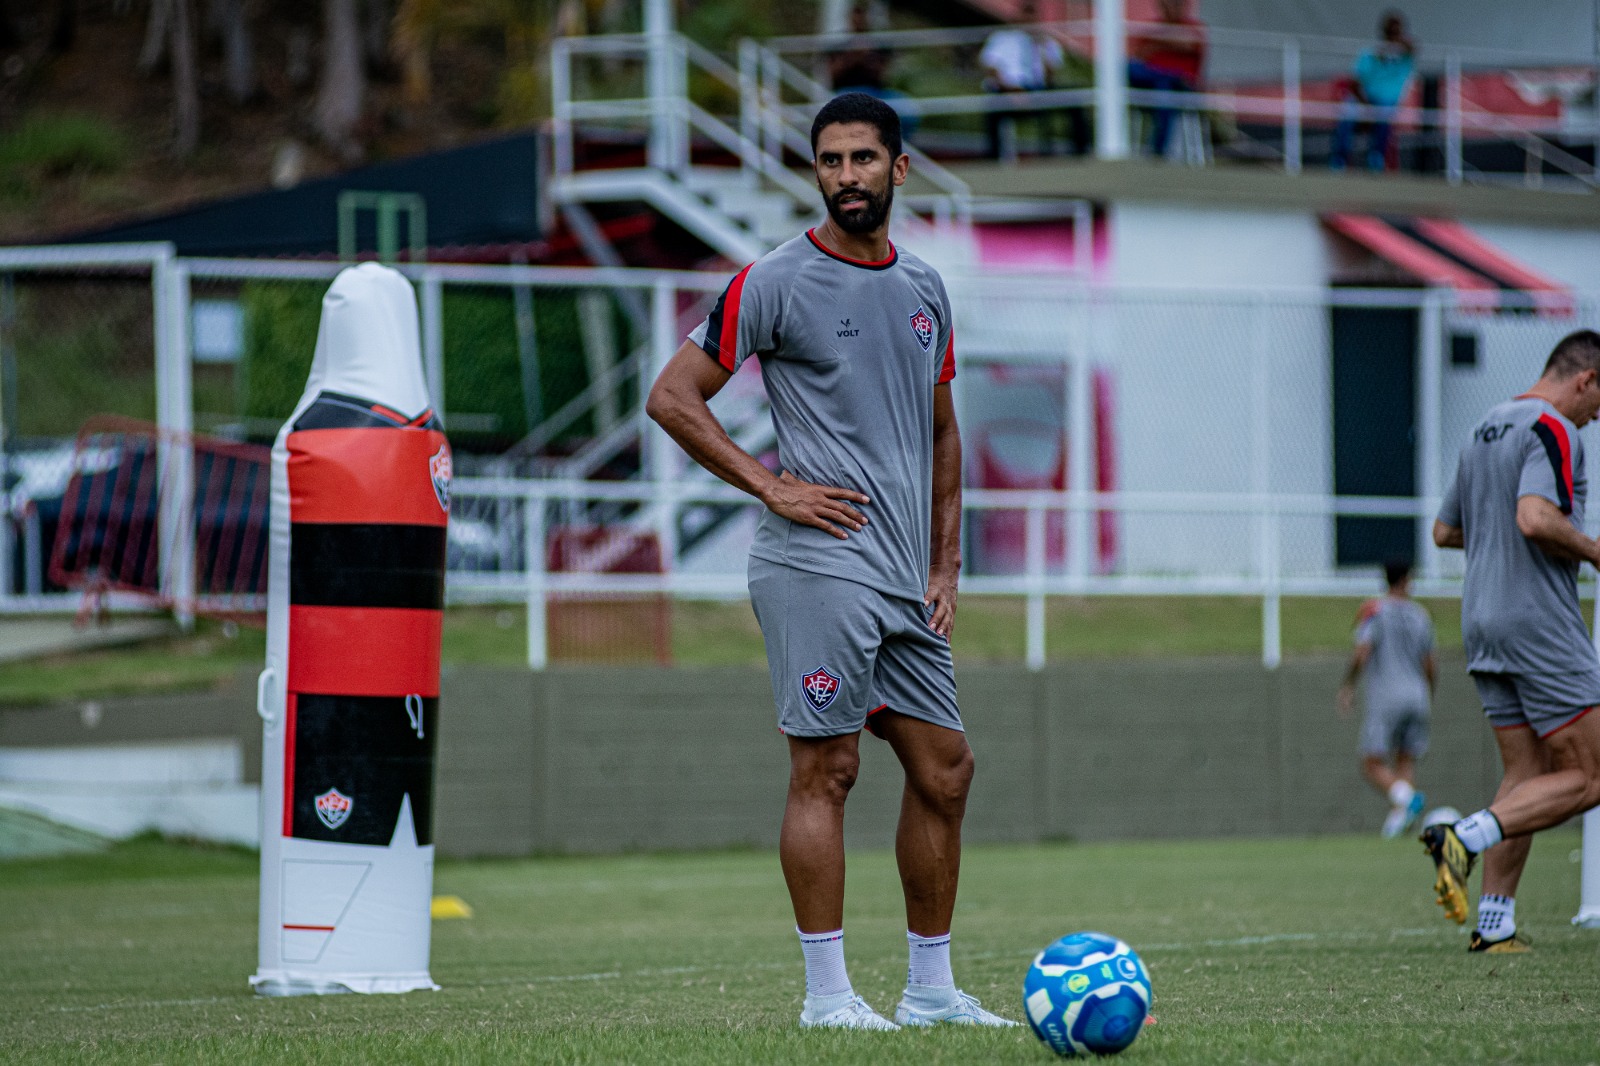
pixel 1556 445
pixel 1368 609
pixel 948 370
pixel 722 328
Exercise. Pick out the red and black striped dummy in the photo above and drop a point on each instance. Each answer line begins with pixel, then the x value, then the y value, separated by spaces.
pixel 369 496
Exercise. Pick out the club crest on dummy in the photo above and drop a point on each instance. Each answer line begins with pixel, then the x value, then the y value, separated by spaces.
pixel 439 471
pixel 333 807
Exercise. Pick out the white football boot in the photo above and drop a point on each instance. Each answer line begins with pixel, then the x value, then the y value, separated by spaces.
pixel 843 1011
pixel 921 1005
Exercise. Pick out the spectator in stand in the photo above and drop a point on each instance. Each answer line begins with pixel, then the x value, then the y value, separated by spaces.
pixel 1018 60
pixel 1378 80
pixel 860 66
pixel 1167 56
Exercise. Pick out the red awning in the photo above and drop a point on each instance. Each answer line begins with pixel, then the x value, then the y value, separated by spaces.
pixel 1447 254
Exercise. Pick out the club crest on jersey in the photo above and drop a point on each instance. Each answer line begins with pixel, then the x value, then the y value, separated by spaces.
pixel 922 326
pixel 439 471
pixel 333 808
pixel 820 687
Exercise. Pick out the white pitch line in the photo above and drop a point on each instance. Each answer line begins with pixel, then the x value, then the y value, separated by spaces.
pixel 679 971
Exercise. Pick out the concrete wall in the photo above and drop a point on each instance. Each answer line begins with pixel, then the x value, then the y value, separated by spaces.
pixel 589 760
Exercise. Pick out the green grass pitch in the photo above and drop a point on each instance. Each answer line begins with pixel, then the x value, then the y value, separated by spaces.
pixel 1323 950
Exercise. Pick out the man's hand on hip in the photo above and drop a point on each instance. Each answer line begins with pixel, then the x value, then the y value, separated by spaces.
pixel 815 505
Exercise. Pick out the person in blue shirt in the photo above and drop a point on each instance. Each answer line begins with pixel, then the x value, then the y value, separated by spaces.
pixel 1379 81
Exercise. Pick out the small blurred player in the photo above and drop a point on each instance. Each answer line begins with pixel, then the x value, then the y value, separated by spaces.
pixel 1517 508
pixel 854 568
pixel 1394 648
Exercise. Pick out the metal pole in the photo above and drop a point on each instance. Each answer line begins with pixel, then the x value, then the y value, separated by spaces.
pixel 1292 149
pixel 8 428
pixel 1430 423
pixel 1033 549
pixel 1080 464
pixel 662 456
pixel 1267 532
pixel 433 339
pixel 175 420
pixel 658 30
pixel 1452 118
pixel 1110 81
pixel 534 563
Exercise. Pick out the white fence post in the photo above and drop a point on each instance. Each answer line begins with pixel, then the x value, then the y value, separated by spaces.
pixel 1292 148
pixel 1430 425
pixel 1034 552
pixel 175 418
pixel 533 550
pixel 661 457
pixel 1110 81
pixel 1267 531
pixel 1453 168
pixel 433 339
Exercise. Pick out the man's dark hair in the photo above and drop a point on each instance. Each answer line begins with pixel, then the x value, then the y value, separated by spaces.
pixel 1396 571
pixel 859 107
pixel 1573 354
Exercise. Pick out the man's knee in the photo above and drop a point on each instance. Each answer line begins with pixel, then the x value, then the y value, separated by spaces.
pixel 827 774
pixel 945 783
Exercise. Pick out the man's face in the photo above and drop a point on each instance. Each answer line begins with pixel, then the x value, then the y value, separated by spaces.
pixel 1588 398
pixel 856 176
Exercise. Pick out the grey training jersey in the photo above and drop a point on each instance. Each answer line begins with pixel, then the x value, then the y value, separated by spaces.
pixel 850 352
pixel 1519 609
pixel 1400 634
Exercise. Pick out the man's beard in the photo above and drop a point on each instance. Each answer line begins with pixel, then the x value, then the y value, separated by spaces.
pixel 873 213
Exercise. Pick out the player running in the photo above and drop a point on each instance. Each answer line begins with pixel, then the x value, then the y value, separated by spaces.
pixel 1394 648
pixel 855 563
pixel 1517 508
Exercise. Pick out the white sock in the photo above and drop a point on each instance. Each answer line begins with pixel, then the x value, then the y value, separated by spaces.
pixel 930 961
pixel 1497 916
pixel 825 973
pixel 1400 793
pixel 1480 831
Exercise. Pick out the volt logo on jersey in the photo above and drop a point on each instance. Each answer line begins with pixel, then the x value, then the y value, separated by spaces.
pixel 333 807
pixel 820 687
pixel 922 328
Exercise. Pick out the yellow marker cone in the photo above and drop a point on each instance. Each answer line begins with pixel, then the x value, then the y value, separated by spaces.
pixel 449 907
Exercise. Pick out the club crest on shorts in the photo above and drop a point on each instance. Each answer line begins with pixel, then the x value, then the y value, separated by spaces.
pixel 922 326
pixel 820 687
pixel 333 807
pixel 439 471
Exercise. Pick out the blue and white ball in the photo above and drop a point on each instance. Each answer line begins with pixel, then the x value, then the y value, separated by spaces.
pixel 1086 994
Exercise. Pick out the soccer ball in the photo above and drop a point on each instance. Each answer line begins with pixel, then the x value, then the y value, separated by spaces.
pixel 1086 994
pixel 1441 816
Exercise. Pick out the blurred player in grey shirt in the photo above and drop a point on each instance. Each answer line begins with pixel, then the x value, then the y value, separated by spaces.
pixel 1394 648
pixel 1516 507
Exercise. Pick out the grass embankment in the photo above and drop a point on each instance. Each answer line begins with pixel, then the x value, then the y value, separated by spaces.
pixel 1309 951
pixel 988 630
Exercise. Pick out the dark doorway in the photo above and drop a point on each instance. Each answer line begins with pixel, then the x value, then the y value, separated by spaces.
pixel 1374 427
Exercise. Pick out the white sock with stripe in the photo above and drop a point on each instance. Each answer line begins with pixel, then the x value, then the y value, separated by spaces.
pixel 825 972
pixel 930 961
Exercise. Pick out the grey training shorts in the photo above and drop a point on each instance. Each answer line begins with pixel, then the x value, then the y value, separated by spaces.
pixel 839 651
pixel 1394 730
pixel 1542 702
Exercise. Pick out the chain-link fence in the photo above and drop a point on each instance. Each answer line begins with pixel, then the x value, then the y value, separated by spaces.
pixel 1117 439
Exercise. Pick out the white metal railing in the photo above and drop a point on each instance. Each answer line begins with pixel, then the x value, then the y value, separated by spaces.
pixel 1263 81
pixel 525 511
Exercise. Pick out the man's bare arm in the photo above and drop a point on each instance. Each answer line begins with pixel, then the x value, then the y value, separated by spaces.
pixel 677 403
pixel 1347 687
pixel 1448 536
pixel 1543 523
pixel 944 571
